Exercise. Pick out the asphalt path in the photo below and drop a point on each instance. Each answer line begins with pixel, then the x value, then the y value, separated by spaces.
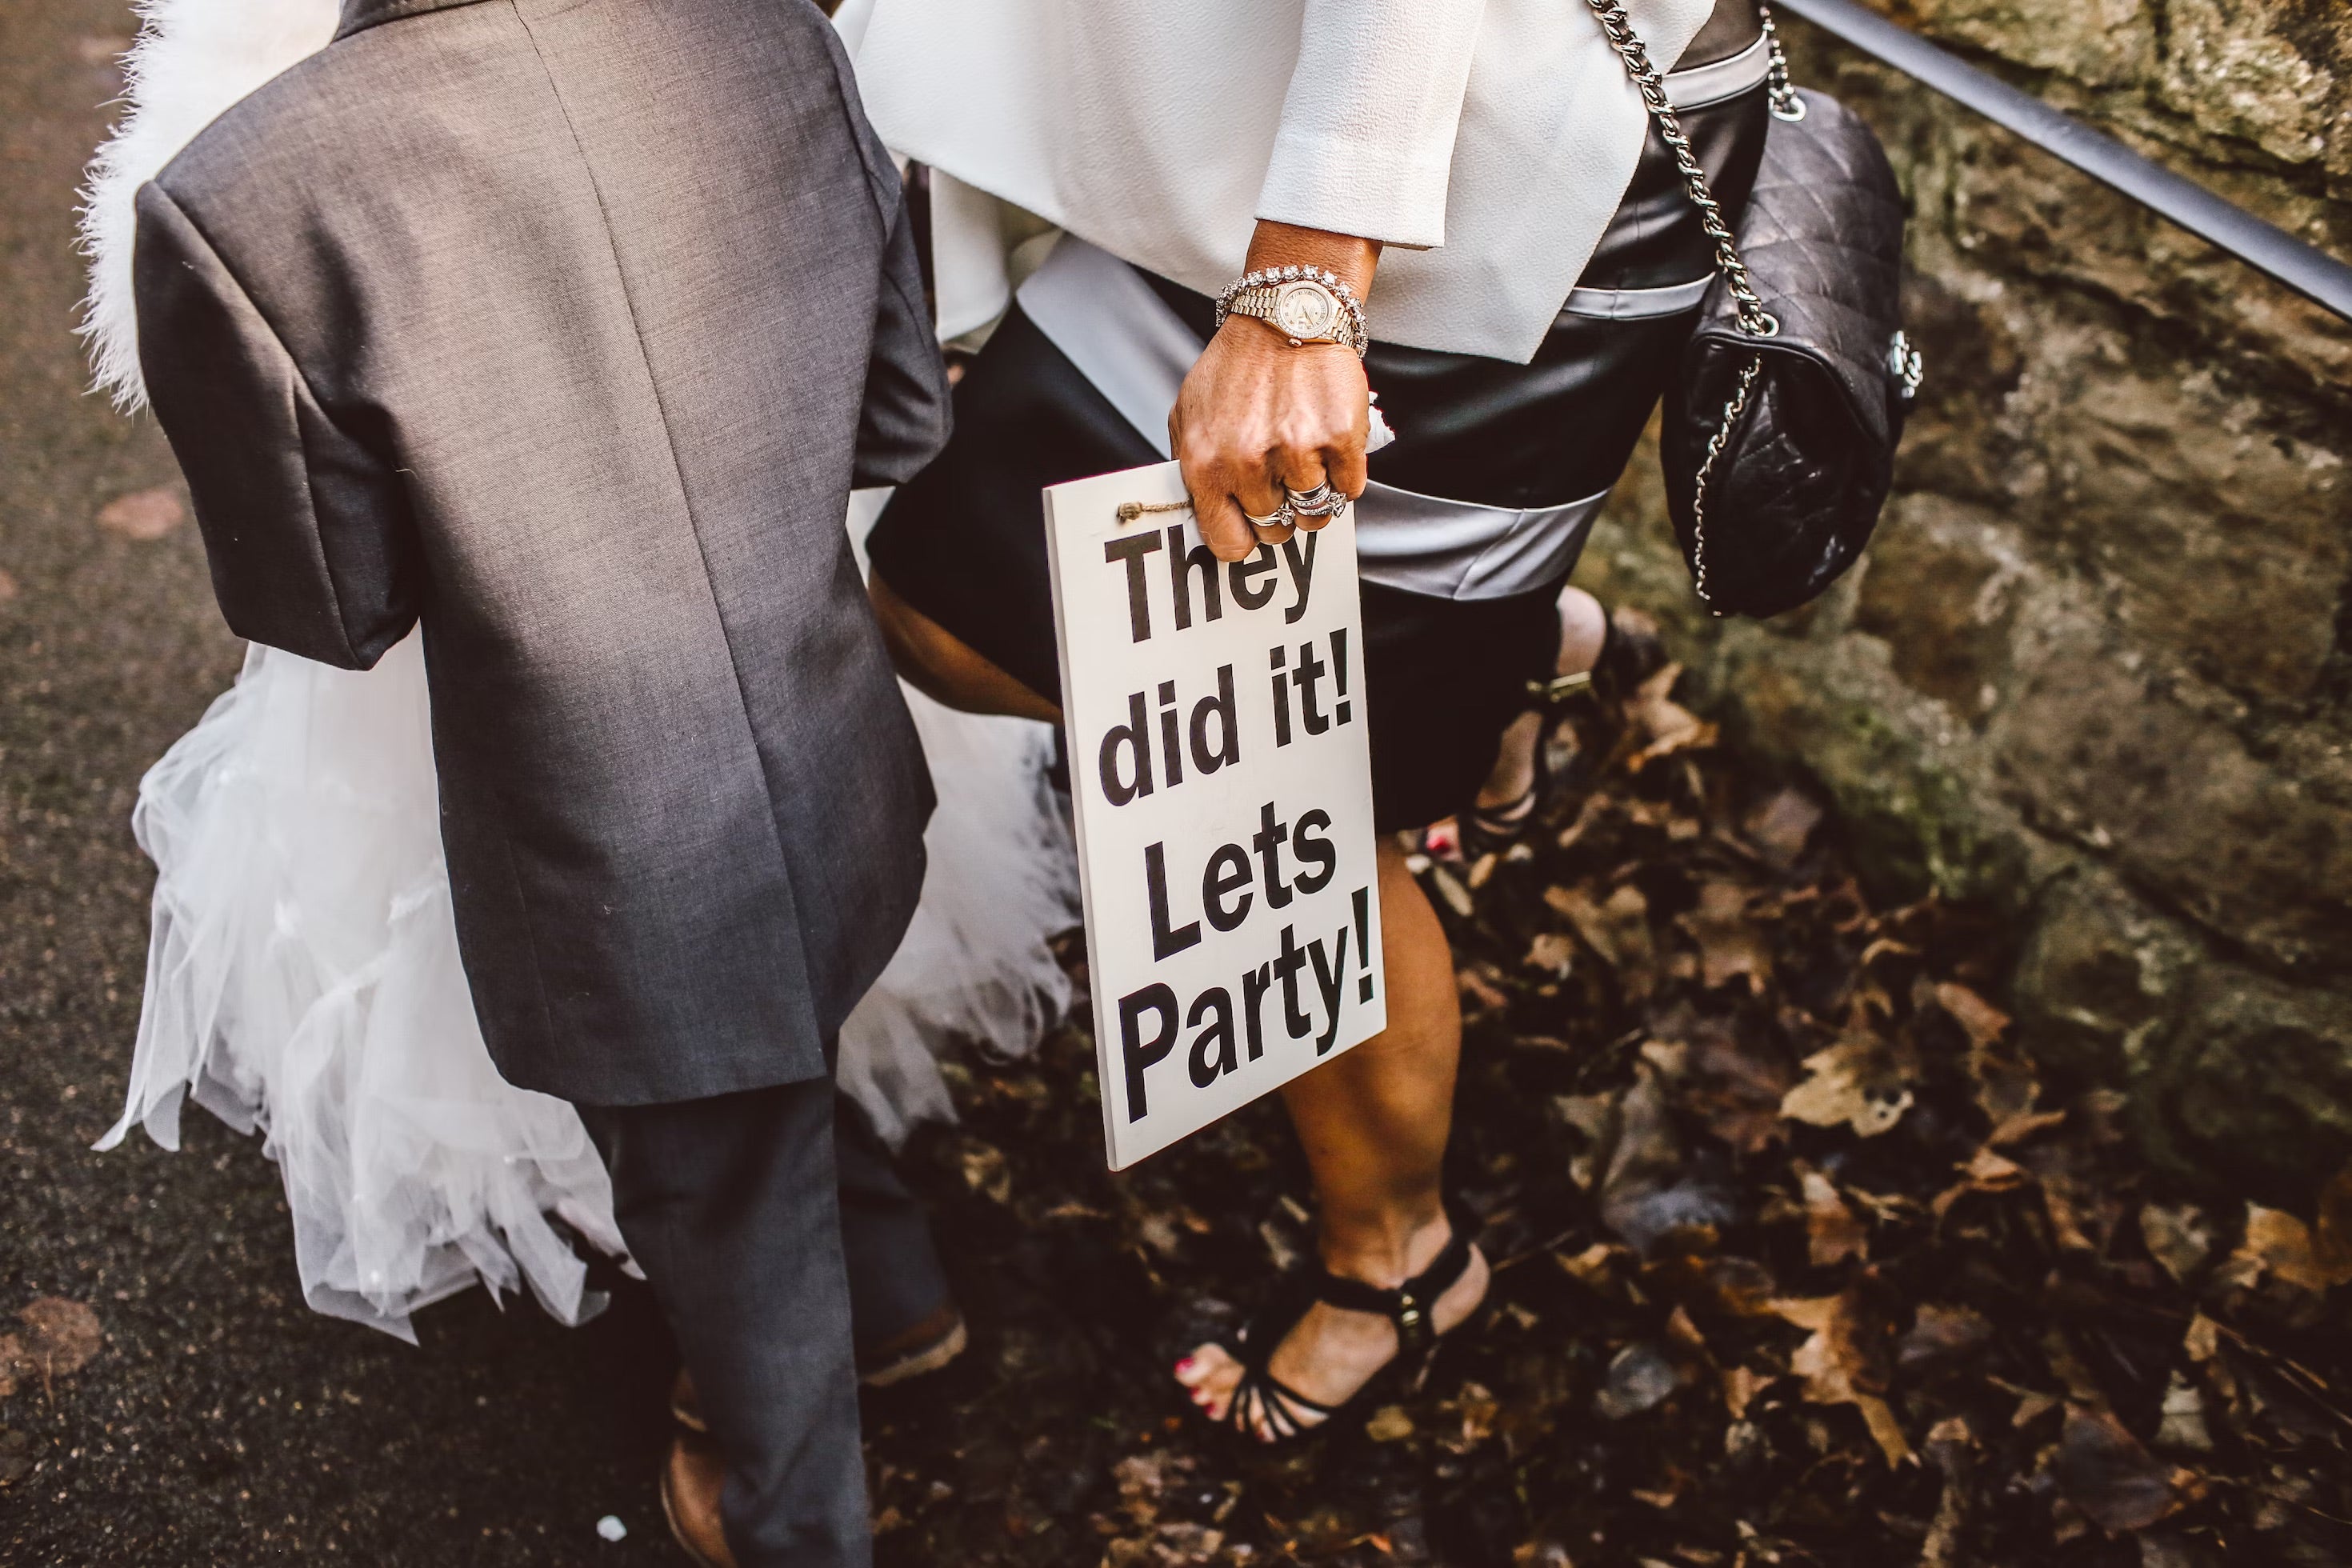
pixel 220 1420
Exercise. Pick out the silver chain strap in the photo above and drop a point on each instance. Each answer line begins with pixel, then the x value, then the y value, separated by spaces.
pixel 1786 105
pixel 1716 443
pixel 1754 319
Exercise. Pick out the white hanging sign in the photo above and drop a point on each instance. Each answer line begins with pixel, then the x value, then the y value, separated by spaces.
pixel 1215 718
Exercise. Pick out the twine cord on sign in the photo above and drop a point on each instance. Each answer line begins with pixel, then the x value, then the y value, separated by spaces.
pixel 1128 510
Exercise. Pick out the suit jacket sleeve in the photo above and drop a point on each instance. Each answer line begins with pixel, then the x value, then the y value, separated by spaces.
pixel 906 418
pixel 308 530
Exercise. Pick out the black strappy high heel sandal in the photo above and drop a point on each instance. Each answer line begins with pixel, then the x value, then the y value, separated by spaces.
pixel 1290 1417
pixel 1492 829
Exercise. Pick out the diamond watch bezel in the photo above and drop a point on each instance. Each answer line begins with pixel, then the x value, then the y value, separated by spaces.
pixel 1324 319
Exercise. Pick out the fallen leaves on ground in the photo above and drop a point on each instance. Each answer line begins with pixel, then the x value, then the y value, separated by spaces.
pixel 57 1340
pixel 143 515
pixel 1802 1258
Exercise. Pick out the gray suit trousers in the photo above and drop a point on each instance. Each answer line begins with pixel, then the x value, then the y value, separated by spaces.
pixel 776 1236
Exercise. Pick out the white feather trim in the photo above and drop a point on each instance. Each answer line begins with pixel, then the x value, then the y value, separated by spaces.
pixel 193 59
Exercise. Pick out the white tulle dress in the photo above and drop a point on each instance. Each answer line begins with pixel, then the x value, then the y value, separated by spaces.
pixel 303 981
pixel 302 977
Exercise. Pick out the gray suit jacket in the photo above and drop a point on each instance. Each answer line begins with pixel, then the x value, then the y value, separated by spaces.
pixel 566 326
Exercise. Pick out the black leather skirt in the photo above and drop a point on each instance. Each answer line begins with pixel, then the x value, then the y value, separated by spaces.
pixel 963 542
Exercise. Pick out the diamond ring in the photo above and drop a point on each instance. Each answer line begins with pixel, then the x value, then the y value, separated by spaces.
pixel 1320 502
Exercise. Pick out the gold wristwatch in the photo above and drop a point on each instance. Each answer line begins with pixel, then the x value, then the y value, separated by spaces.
pixel 1304 304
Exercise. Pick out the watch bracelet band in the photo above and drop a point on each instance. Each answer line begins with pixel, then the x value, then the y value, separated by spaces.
pixel 1253 294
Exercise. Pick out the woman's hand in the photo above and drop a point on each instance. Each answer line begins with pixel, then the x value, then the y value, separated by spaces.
pixel 1255 417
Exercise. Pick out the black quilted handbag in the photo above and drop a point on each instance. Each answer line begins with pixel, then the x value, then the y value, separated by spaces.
pixel 1780 425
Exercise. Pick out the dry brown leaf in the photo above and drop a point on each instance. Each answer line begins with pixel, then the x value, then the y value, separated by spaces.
pixel 1279 1248
pixel 1832 1234
pixel 1477 1407
pixel 1994 1172
pixel 1390 1423
pixel 1740 1387
pixel 1735 1089
pixel 1594 1266
pixel 1731 946
pixel 1618 928
pixel 1482 993
pixel 1639 1378
pixel 1649 1188
pixel 1781 826
pixel 2282 1246
pixel 2202 1345
pixel 16 1457
pixel 59 1339
pixel 1885 947
pixel 2331 1238
pixel 1594 1116
pixel 2032 1406
pixel 2018 1129
pixel 2103 1470
pixel 2082 1386
pixel 1645 1158
pixel 985 1171
pixel 1985 1172
pixel 1741 1287
pixel 1591 1114
pixel 1671 1058
pixel 1456 895
pixel 1659 726
pixel 2006 1087
pixel 1984 1023
pixel 1940 1334
pixel 2183 1429
pixel 1951 1448
pixel 1551 954
pixel 1596 807
pixel 1856 1081
pixel 143 515
pixel 2063 1202
pixel 1836 1368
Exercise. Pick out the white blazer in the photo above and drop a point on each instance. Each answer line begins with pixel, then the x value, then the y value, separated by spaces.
pixel 1486 143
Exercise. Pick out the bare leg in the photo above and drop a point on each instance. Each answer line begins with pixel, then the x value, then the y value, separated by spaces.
pixel 943 667
pixel 1374 1124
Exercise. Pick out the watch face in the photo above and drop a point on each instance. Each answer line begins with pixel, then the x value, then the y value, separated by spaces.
pixel 1304 310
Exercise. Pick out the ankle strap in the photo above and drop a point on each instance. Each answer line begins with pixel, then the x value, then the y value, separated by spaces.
pixel 1409 1306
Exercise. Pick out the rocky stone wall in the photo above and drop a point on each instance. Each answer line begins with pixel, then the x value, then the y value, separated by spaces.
pixel 2095 666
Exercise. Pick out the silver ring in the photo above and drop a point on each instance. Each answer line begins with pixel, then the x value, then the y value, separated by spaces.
pixel 1280 517
pixel 1320 502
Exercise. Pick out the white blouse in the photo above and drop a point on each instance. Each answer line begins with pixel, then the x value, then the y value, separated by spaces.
pixel 1485 142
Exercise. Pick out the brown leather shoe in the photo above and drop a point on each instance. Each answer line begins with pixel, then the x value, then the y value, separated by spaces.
pixel 691 1485
pixel 929 1346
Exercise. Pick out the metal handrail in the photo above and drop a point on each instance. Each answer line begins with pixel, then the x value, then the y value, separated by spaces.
pixel 2306 269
